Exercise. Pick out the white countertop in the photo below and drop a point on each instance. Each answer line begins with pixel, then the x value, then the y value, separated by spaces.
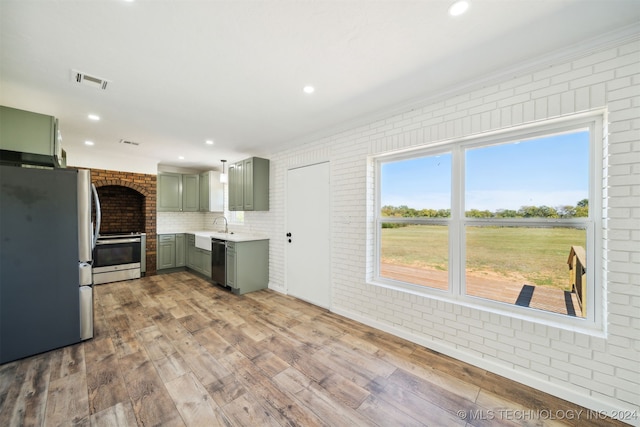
pixel 231 236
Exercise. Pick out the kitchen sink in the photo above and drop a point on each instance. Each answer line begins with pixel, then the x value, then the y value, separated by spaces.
pixel 203 241
pixel 203 237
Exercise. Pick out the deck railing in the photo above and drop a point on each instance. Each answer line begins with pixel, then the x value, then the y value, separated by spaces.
pixel 578 274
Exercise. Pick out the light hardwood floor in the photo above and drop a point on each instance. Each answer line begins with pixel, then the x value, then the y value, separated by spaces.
pixel 174 350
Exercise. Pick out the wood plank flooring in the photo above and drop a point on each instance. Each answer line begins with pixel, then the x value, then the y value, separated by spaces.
pixel 175 350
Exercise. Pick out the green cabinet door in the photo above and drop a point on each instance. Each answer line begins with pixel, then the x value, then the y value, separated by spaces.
pixel 166 251
pixel 249 185
pixel 190 193
pixel 191 250
pixel 211 192
pixel 256 184
pixel 236 187
pixel 205 197
pixel 205 259
pixel 231 266
pixel 178 192
pixel 180 250
pixel 247 266
pixel 169 192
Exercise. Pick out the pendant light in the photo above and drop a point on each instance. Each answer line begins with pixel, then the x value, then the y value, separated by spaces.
pixel 223 176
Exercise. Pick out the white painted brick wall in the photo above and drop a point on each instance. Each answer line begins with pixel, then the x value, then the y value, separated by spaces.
pixel 600 371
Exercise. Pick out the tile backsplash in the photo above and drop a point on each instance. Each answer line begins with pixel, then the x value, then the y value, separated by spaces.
pixel 178 222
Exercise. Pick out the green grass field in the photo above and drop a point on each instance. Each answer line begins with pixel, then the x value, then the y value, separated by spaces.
pixel 537 256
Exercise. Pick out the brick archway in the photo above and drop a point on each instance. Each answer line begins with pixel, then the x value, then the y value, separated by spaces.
pixel 123 209
pixel 122 183
pixel 145 185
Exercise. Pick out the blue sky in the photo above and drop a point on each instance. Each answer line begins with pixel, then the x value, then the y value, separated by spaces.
pixel 549 171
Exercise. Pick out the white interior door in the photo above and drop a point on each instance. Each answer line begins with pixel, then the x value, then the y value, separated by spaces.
pixel 308 249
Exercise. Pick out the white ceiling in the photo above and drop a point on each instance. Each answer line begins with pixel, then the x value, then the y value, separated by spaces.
pixel 233 71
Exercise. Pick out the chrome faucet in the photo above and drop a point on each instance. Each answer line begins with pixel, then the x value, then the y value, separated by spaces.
pixel 226 224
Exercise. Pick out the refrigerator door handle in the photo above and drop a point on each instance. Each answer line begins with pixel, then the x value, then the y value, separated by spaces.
pixel 86 312
pixel 98 215
pixel 85 236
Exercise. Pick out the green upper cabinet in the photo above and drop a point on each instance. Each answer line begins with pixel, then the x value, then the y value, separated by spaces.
pixel 169 192
pixel 178 193
pixel 211 192
pixel 30 138
pixel 235 187
pixel 249 185
pixel 190 193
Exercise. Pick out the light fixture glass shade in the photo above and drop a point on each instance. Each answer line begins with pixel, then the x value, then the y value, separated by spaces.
pixel 224 178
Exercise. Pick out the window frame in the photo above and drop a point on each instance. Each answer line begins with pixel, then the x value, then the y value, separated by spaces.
pixel 594 121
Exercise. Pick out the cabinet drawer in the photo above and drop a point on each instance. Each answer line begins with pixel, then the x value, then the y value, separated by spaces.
pixel 167 238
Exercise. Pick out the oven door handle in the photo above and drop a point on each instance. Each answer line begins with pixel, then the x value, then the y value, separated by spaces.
pixel 116 241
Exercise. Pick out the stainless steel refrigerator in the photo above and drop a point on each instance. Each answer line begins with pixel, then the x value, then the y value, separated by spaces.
pixel 46 239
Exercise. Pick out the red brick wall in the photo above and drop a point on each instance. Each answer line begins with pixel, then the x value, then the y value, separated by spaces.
pixel 123 209
pixel 128 204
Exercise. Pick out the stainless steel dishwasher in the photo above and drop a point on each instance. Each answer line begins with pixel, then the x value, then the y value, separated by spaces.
pixel 219 261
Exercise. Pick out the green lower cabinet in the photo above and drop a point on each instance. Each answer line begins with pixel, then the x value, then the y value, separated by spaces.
pixel 166 251
pixel 205 259
pixel 197 259
pixel 231 266
pixel 247 266
pixel 190 250
pixel 247 263
pixel 180 250
pixel 171 251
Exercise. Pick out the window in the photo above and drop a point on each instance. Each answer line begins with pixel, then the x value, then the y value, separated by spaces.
pixel 414 241
pixel 236 217
pixel 507 221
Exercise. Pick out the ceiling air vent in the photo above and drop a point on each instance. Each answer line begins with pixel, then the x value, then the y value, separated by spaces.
pixel 124 141
pixel 88 80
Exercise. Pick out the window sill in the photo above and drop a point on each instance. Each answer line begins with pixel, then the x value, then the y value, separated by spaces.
pixel 549 319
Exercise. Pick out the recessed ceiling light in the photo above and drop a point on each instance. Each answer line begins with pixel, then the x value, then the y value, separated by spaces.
pixel 209 142
pixel 309 89
pixel 181 157
pixel 458 8
pixel 94 117
pixel 88 143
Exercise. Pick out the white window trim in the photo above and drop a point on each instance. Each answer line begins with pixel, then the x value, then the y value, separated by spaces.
pixel 594 322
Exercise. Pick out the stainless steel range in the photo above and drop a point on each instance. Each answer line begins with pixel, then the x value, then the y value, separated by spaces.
pixel 119 256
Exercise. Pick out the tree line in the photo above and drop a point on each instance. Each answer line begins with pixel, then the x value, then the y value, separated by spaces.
pixel 581 209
